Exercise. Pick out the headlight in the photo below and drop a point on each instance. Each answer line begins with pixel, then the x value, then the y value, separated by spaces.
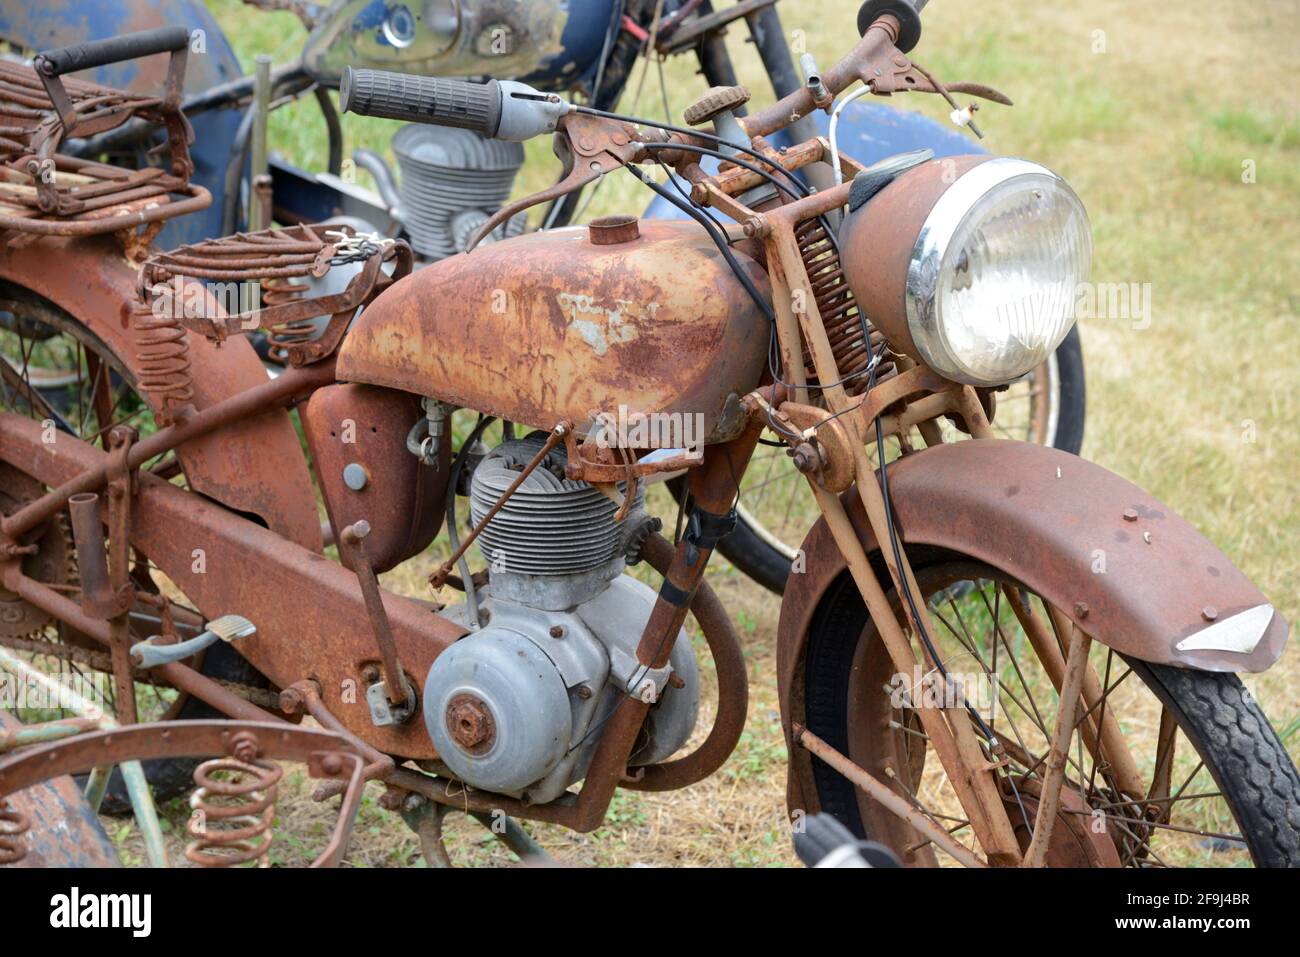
pixel 998 248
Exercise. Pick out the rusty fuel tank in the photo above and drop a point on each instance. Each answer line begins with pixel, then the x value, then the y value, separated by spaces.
pixel 572 322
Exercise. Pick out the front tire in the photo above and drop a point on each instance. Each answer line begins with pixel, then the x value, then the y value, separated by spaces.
pixel 1234 791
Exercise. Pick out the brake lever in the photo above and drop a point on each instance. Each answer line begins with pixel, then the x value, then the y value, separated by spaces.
pixel 907 75
pixel 595 146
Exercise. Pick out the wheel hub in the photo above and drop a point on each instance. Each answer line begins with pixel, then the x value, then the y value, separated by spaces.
pixel 1080 836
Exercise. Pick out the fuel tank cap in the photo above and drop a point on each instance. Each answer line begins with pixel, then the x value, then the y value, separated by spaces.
pixel 612 230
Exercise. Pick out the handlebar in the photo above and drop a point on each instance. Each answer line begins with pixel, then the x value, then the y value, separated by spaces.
pixel 422 99
pixel 96 53
pixel 502 109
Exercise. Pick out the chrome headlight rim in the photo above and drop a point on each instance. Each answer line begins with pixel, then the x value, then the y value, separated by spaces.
pixel 933 242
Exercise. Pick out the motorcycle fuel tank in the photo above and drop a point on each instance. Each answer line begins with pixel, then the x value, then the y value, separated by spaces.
pixel 616 318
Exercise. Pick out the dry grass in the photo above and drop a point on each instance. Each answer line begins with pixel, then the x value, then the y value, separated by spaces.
pixel 1199 405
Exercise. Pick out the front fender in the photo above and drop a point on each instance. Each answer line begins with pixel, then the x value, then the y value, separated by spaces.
pixel 255 466
pixel 1057 523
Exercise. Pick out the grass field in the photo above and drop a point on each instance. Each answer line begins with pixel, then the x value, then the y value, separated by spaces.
pixel 1176 125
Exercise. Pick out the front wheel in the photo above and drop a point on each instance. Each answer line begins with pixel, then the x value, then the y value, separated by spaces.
pixel 1165 766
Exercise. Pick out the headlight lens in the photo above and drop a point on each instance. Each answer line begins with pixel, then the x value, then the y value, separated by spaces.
pixel 994 274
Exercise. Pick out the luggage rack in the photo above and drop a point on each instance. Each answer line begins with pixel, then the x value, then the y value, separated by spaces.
pixel 45 192
pixel 274 277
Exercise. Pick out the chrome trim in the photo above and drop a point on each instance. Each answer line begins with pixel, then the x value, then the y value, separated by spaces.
pixel 933 240
pixel 1240 633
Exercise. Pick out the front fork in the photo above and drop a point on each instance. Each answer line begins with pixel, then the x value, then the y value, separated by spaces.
pixel 839 435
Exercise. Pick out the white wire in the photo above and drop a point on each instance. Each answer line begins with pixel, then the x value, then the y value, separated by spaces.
pixel 835 122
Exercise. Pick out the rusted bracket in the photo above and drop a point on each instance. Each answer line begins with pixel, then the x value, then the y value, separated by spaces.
pixel 690 32
pixel 396 690
pixel 274 256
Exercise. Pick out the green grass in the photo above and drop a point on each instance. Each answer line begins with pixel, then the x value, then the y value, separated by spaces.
pixel 1152 133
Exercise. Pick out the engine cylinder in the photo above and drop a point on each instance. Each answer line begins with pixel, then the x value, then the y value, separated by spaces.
pixel 446 173
pixel 554 544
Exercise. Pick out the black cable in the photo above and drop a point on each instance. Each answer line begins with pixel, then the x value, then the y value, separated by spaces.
pixel 687 131
pixel 743 164
pixel 704 151
pixel 988 732
pixel 453 537
pixel 687 196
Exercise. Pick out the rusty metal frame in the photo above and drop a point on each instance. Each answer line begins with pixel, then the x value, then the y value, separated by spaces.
pixel 827 424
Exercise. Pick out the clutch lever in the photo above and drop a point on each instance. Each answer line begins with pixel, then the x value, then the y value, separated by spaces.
pixel 592 145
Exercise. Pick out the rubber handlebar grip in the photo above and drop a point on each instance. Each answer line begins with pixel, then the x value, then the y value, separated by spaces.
pixel 422 99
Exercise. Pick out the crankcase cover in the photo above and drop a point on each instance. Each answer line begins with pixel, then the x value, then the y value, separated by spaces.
pixel 497 710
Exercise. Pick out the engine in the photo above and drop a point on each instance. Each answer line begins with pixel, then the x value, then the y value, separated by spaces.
pixel 515 706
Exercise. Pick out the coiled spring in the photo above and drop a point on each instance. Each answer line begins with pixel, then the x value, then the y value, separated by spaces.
pixel 233 808
pixel 13 825
pixel 838 309
pixel 281 291
pixel 164 355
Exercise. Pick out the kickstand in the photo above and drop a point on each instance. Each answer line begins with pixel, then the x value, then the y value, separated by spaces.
pixel 426 818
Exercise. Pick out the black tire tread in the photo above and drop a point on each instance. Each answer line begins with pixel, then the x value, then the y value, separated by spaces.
pixel 1252 767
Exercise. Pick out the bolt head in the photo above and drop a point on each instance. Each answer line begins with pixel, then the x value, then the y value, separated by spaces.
pixel 1130 515
pixel 806 458
pixel 355 476
pixel 470 722
pixel 1209 613
pixel 557 631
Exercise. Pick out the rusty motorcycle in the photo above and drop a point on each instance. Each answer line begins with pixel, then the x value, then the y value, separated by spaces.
pixel 959 679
